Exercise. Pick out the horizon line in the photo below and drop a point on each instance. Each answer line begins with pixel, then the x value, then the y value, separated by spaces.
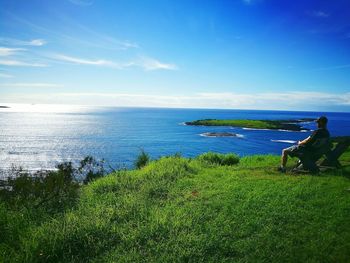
pixel 161 107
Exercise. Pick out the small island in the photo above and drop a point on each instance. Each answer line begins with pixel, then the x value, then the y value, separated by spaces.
pixel 220 134
pixel 4 107
pixel 290 125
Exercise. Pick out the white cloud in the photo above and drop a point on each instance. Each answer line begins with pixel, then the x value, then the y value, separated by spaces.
pixel 81 61
pixel 145 63
pixel 18 63
pixel 18 42
pixel 148 63
pixel 4 75
pixel 128 44
pixel 36 42
pixel 100 40
pixel 5 51
pixel 30 85
pixel 262 101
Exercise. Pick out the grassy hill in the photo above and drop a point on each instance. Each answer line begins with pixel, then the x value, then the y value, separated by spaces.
pixel 192 210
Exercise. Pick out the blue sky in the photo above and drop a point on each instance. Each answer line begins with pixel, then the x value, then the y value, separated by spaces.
pixel 244 54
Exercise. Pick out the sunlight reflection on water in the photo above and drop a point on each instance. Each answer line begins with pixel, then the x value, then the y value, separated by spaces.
pixel 40 136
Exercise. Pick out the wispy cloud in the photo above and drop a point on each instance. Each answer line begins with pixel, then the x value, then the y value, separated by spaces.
pixel 320 14
pixel 91 38
pixel 18 42
pixel 36 42
pixel 82 61
pixel 18 63
pixel 227 100
pixel 4 51
pixel 331 68
pixel 127 44
pixel 30 85
pixel 12 60
pixel 286 100
pixel 101 40
pixel 6 76
pixel 146 63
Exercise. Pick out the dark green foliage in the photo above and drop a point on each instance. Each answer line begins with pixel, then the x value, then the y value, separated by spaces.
pixel 142 159
pixel 91 169
pixel 218 158
pixel 28 199
pixel 48 190
pixel 51 190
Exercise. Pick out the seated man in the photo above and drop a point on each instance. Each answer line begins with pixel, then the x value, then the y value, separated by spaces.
pixel 305 145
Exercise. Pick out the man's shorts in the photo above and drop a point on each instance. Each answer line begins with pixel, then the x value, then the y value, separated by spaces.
pixel 295 150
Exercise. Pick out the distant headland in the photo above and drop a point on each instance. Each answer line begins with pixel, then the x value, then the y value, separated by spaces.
pixel 4 107
pixel 290 125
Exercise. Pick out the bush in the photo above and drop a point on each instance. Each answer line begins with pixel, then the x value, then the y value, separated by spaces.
pixel 51 191
pixel 90 169
pixel 219 158
pixel 142 159
pixel 48 190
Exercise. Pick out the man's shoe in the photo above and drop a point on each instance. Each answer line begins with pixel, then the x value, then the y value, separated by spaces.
pixel 281 169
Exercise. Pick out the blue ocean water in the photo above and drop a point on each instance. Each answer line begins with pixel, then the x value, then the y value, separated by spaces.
pixel 39 137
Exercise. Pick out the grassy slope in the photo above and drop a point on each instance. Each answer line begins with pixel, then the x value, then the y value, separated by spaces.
pixel 180 210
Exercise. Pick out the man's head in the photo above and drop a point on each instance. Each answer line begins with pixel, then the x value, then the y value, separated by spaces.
pixel 322 122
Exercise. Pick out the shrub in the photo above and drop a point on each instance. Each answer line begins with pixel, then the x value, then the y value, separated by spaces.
pixel 48 190
pixel 219 158
pixel 142 159
pixel 90 169
pixel 230 159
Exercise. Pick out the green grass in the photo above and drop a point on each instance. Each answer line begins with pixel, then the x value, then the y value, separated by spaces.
pixel 183 210
pixel 211 158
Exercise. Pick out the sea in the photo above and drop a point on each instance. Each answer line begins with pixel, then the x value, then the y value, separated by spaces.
pixel 39 137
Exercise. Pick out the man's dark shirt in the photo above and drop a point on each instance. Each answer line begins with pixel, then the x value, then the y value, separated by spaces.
pixel 316 135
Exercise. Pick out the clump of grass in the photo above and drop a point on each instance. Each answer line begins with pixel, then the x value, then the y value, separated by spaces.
pixel 142 159
pixel 219 158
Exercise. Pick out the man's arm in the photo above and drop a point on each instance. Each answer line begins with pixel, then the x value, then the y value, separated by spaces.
pixel 305 141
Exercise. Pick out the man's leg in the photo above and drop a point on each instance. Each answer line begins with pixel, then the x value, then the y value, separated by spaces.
pixel 284 158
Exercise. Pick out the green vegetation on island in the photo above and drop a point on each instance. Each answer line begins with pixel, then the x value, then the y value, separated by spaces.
pixel 256 124
pixel 213 208
pixel 220 134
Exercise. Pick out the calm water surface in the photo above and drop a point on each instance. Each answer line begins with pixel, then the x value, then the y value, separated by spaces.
pixel 37 136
